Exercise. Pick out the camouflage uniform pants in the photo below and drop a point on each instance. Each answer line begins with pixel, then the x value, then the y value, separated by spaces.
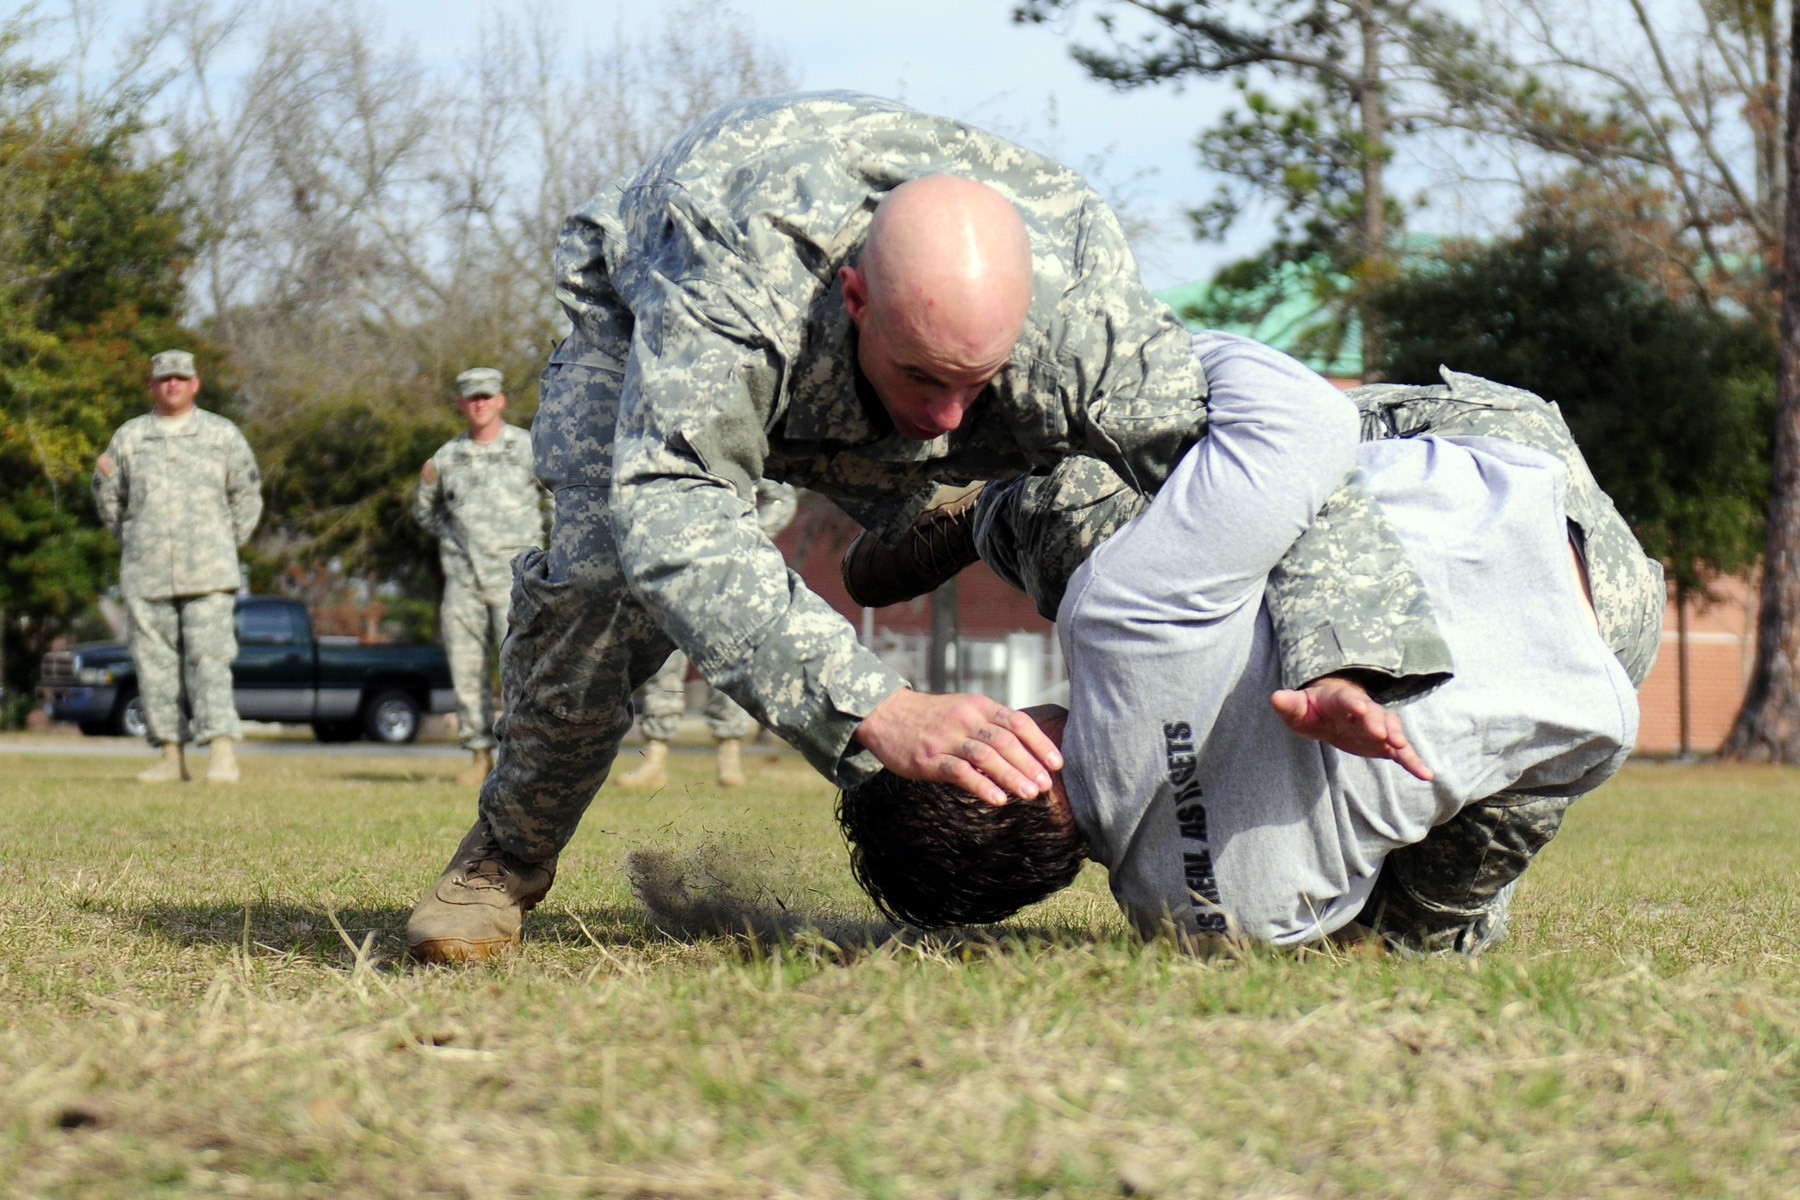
pixel 185 644
pixel 580 642
pixel 665 700
pixel 1452 890
pixel 474 624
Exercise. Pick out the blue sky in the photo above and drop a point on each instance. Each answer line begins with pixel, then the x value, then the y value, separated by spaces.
pixel 963 58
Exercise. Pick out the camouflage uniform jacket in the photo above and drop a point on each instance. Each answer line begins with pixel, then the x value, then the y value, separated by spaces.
pixel 719 261
pixel 180 500
pixel 484 506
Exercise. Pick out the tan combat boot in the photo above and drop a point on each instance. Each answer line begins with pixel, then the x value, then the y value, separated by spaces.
pixel 223 768
pixel 481 765
pixel 939 544
pixel 478 904
pixel 172 768
pixel 731 762
pixel 653 774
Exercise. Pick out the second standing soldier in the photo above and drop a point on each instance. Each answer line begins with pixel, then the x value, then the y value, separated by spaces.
pixel 479 496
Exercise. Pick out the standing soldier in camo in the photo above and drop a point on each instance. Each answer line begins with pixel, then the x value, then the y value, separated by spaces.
pixel 178 487
pixel 665 696
pixel 479 496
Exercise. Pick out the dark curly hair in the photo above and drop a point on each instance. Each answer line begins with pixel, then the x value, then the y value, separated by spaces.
pixel 931 855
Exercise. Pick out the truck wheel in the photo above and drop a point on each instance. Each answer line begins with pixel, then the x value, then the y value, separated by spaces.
pixel 392 717
pixel 128 718
pixel 337 731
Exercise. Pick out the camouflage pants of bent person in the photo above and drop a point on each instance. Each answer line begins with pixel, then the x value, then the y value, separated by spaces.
pixel 665 700
pixel 185 644
pixel 579 642
pixel 474 624
pixel 1452 890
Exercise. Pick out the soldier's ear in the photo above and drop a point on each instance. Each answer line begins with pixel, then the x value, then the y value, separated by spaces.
pixel 856 294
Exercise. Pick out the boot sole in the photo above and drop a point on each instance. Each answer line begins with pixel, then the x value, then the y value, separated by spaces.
pixel 460 950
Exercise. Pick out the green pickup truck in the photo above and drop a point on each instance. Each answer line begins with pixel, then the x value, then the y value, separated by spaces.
pixel 344 690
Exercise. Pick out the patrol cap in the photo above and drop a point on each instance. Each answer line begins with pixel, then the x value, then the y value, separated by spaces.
pixel 479 381
pixel 172 364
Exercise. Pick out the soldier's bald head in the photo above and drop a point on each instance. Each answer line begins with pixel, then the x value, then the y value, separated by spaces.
pixel 939 298
pixel 948 260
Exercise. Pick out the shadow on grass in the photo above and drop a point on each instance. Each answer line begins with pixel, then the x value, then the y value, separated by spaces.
pixel 710 893
pixel 339 937
pixel 266 926
pixel 711 897
pixel 747 931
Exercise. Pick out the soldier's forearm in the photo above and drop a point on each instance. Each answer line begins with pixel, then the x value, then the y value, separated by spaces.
pixel 813 684
pixel 722 592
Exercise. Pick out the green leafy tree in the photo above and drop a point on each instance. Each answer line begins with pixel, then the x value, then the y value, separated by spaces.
pixel 1671 402
pixel 1694 107
pixel 1326 88
pixel 92 250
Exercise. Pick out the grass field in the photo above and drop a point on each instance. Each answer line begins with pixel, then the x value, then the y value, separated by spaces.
pixel 204 996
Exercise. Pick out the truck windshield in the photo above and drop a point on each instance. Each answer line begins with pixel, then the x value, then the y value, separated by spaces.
pixel 270 625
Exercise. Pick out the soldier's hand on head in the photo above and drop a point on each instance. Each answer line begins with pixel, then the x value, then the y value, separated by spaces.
pixel 978 744
pixel 1340 713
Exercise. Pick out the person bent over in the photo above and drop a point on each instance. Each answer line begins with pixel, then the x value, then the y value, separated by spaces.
pixel 838 292
pixel 1181 775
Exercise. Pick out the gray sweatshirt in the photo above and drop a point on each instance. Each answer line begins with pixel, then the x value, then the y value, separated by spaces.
pixel 1206 811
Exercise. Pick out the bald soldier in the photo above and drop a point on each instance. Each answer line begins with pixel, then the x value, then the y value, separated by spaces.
pixel 479 497
pixel 837 292
pixel 178 487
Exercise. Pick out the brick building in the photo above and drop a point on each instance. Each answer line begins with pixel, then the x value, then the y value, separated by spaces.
pixel 1721 650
